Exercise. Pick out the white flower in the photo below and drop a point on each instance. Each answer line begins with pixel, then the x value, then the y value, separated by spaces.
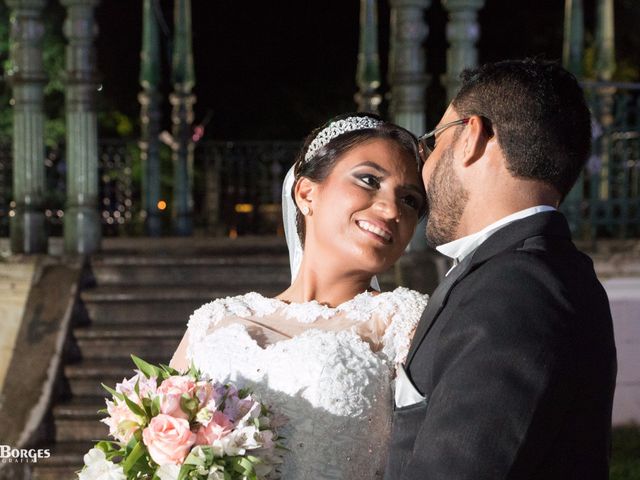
pixel 251 437
pixel 216 472
pixel 233 444
pixel 218 446
pixel 97 467
pixel 168 471
pixel 204 416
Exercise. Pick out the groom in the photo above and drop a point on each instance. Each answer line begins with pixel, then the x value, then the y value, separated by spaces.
pixel 512 368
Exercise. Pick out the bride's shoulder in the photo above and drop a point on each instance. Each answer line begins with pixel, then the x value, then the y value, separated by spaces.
pixel 240 306
pixel 402 301
pixel 405 309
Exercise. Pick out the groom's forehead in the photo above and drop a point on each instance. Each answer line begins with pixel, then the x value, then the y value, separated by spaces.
pixel 449 116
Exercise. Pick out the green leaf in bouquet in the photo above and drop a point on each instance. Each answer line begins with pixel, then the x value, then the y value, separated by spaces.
pixel 193 371
pixel 105 445
pixel 155 407
pixel 146 368
pixel 137 436
pixel 147 404
pixel 189 404
pixel 132 457
pixel 185 470
pixel 243 466
pixel 169 370
pixel 103 410
pixel 115 394
pixel 135 408
pixel 244 393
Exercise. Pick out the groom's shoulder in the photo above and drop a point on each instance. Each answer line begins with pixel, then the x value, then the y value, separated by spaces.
pixel 539 269
pixel 540 256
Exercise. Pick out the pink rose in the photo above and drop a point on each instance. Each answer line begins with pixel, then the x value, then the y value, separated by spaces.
pixel 122 421
pixel 219 426
pixel 168 439
pixel 171 391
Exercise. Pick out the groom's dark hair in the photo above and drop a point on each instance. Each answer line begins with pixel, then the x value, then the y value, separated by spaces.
pixel 538 113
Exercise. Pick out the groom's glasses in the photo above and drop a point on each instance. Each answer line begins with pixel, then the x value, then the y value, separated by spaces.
pixel 427 142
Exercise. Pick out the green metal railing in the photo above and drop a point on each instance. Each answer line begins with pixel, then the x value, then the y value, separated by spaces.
pixel 237 184
pixel 605 203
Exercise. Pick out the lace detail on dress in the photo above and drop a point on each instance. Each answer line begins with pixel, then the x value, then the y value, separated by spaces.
pixel 308 312
pixel 333 388
pixel 398 335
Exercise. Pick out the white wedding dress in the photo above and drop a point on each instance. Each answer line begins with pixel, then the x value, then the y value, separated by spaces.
pixel 328 370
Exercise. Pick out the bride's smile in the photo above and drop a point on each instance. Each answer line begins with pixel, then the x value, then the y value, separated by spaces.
pixel 381 233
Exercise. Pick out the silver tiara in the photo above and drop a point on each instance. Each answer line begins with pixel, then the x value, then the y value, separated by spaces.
pixel 336 129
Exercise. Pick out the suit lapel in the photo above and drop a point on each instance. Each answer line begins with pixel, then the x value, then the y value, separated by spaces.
pixel 435 304
pixel 547 224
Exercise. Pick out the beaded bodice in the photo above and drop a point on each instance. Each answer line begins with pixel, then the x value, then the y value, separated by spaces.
pixel 327 369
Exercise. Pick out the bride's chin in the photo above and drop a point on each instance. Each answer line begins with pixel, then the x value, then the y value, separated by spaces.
pixel 371 261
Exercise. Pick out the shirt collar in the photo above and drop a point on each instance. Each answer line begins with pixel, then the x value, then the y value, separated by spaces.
pixel 460 248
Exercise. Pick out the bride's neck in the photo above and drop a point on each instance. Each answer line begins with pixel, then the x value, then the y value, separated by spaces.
pixel 326 287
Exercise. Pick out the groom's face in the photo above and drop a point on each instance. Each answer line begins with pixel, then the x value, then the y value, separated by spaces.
pixel 446 195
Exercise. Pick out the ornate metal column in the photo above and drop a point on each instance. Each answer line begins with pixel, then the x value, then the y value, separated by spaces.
pixel 605 68
pixel 463 32
pixel 407 76
pixel 82 228
pixel 150 116
pixel 27 78
pixel 572 58
pixel 368 73
pixel 605 41
pixel 183 79
pixel 407 71
pixel 573 44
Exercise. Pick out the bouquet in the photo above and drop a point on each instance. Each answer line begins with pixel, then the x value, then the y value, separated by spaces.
pixel 169 425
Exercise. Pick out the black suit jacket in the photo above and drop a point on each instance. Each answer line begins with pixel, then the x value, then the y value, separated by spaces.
pixel 515 356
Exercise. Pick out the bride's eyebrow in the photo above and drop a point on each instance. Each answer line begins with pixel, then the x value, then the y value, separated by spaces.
pixel 373 165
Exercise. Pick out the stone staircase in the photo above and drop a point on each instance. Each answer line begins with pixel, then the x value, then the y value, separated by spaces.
pixel 139 303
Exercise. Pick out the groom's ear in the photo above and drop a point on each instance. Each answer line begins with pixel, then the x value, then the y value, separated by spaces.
pixel 474 140
pixel 305 191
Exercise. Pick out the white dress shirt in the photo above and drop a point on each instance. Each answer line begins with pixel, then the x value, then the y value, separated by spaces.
pixel 460 248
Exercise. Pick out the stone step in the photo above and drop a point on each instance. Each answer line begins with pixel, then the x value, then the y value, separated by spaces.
pixel 85 378
pixel 192 271
pixel 151 349
pixel 80 430
pixel 192 246
pixel 65 454
pixel 161 305
pixel 42 472
pixel 80 408
pixel 105 331
pixel 78 421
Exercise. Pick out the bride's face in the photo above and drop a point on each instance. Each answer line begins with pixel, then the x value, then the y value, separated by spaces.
pixel 364 213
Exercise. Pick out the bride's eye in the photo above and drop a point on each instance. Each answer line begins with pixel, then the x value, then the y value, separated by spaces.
pixel 370 180
pixel 412 201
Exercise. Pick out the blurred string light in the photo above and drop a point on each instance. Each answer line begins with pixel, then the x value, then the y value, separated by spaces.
pixel 243 208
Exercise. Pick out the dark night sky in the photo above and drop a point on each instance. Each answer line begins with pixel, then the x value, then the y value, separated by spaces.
pixel 271 70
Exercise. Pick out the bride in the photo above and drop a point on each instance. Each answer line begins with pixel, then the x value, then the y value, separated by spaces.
pixel 324 351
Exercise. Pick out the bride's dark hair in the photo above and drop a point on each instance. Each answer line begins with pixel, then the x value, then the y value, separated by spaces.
pixel 321 164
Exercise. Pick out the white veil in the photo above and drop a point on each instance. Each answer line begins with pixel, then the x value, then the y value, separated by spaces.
pixel 291 231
